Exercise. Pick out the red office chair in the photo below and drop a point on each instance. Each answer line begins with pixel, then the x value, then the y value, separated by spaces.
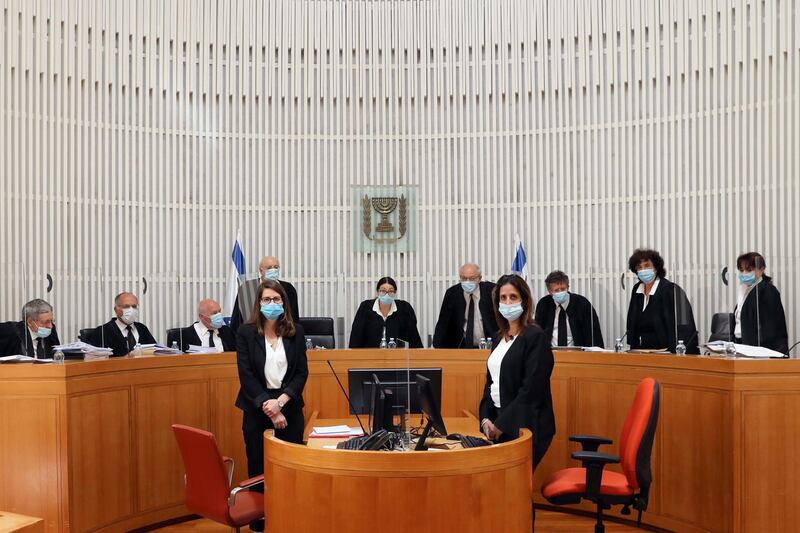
pixel 630 488
pixel 208 485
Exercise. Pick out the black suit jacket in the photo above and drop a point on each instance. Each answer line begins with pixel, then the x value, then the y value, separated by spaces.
pixel 189 336
pixel 113 338
pixel 524 388
pixel 14 339
pixel 368 326
pixel 449 332
pixel 668 303
pixel 584 331
pixel 291 292
pixel 769 313
pixel 251 354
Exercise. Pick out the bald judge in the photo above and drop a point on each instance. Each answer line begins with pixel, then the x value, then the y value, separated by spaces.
pixel 210 330
pixel 269 268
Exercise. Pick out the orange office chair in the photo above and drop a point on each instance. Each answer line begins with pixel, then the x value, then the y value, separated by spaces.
pixel 607 488
pixel 208 485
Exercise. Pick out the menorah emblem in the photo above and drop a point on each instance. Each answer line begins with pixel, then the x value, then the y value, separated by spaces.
pixel 384 205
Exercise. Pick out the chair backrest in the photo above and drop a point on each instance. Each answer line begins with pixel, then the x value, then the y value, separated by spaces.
pixel 84 334
pixel 319 329
pixel 722 326
pixel 207 487
pixel 636 440
pixel 174 334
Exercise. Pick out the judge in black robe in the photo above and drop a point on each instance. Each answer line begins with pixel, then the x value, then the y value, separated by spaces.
pixel 400 322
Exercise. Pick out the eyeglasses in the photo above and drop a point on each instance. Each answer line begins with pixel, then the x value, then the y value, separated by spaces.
pixel 384 293
pixel 473 278
pixel 275 300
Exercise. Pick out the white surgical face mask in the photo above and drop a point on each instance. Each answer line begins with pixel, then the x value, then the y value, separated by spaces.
pixel 130 315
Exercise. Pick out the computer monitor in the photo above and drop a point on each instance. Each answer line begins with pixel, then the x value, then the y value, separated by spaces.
pixel 380 411
pixel 430 407
pixel 401 381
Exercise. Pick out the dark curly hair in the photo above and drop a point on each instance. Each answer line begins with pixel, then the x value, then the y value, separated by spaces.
pixel 645 254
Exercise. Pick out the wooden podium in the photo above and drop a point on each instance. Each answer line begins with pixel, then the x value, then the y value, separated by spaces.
pixel 310 489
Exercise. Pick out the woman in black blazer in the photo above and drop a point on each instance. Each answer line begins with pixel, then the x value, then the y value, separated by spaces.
pixel 759 316
pixel 659 313
pixel 271 358
pixel 386 317
pixel 517 391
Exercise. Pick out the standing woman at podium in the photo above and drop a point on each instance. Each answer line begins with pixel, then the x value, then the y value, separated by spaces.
pixel 517 391
pixel 272 364
pixel 384 317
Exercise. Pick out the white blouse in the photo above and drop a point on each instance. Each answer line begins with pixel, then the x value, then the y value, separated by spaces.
pixel 275 365
pixel 494 362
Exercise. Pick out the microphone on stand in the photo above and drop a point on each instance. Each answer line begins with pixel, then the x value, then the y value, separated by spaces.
pixel 350 403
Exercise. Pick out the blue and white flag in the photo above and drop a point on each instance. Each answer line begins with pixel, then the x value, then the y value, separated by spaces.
pixel 520 264
pixel 236 275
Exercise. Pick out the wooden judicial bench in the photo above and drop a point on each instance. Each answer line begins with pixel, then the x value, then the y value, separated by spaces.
pixel 88 445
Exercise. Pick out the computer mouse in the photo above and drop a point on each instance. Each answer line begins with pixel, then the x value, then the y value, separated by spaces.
pixel 454 436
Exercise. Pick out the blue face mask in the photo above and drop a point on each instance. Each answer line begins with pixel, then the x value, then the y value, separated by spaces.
pixel 511 311
pixel 386 299
pixel 646 275
pixel 217 320
pixel 272 311
pixel 272 274
pixel 43 333
pixel 560 297
pixel 469 286
pixel 747 278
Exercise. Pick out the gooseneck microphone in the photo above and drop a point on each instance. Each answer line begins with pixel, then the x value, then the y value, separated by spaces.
pixel 346 395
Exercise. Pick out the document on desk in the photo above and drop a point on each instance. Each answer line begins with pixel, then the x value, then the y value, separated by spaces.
pixel 746 350
pixel 336 431
pixel 23 359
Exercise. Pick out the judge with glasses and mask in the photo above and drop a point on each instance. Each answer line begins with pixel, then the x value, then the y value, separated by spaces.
pixel 35 336
pixel 384 317
pixel 467 314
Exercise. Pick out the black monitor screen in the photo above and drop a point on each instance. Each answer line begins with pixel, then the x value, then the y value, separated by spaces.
pixel 400 381
pixel 430 405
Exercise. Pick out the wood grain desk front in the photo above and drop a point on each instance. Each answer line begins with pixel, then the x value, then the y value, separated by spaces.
pixel 88 445
pixel 310 489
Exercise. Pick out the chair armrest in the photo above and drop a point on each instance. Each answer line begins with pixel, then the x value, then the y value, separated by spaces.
pixel 230 460
pixel 590 443
pixel 244 485
pixel 594 462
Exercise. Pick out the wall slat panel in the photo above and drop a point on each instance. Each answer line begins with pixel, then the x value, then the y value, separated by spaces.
pixel 137 137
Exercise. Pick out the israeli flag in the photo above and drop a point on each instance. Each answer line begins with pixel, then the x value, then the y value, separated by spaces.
pixel 236 275
pixel 520 264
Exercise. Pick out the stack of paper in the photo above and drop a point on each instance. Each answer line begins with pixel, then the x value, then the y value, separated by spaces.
pixel 160 349
pixel 746 350
pixel 336 431
pixel 203 349
pixel 88 351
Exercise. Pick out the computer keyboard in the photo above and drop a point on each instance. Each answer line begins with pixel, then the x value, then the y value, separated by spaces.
pixel 473 442
pixel 352 443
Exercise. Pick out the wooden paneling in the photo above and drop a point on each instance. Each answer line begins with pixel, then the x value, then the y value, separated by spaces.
pixel 30 446
pixel 158 461
pixel 771 461
pixel 695 430
pixel 724 456
pixel 16 523
pixel 100 457
pixel 228 424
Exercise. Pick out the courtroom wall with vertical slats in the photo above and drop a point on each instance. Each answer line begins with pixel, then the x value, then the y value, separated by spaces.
pixel 138 136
